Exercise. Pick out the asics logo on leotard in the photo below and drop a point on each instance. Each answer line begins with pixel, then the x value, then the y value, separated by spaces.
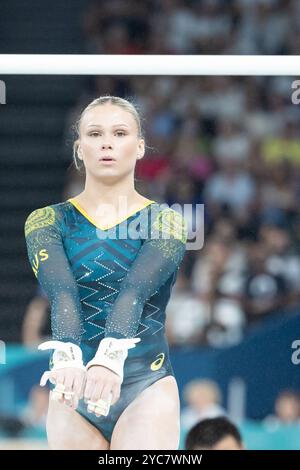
pixel 156 365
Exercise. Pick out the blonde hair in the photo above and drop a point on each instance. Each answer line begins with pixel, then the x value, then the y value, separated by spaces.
pixel 115 100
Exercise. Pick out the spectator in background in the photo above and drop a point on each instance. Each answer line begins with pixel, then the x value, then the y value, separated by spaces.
pixel 178 17
pixel 117 27
pixel 217 279
pixel 210 27
pixel 231 144
pixel 282 259
pixel 220 98
pixel 203 398
pixel 214 434
pixel 230 190
pixel 277 193
pixel 188 327
pixel 191 153
pixel 264 292
pixel 287 407
pixel 285 147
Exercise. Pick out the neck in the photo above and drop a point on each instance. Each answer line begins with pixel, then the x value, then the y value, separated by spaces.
pixel 112 193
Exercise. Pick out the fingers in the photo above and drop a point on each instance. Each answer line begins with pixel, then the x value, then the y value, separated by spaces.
pixel 69 384
pixel 74 383
pixel 106 393
pixel 92 394
pixel 101 390
pixel 97 392
pixel 89 389
pixel 100 401
pixel 103 401
pixel 69 392
pixel 58 378
pixel 57 393
pixel 102 408
pixel 94 397
pixel 53 376
pixel 79 385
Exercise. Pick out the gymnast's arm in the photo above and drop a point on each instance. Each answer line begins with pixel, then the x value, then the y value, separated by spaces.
pixel 51 267
pixel 156 261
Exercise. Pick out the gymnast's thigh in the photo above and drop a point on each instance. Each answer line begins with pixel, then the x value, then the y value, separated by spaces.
pixel 67 429
pixel 151 420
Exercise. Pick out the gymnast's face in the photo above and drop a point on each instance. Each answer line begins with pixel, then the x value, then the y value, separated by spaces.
pixel 109 144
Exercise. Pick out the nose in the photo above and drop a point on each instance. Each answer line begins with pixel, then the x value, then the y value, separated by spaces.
pixel 106 145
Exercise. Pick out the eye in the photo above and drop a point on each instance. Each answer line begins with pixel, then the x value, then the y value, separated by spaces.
pixel 94 133
pixel 120 133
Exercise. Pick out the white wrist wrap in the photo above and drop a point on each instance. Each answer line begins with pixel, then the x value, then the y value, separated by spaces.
pixel 112 353
pixel 65 355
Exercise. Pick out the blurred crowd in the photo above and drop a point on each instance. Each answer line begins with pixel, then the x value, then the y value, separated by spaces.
pixel 203 400
pixel 192 27
pixel 206 423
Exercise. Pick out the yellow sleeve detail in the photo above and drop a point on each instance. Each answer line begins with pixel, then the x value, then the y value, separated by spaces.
pixel 39 218
pixel 171 224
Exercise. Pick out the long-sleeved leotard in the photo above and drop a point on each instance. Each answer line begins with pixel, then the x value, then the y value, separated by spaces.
pixel 113 282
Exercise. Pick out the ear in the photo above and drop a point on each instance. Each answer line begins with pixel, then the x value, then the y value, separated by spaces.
pixel 78 149
pixel 141 149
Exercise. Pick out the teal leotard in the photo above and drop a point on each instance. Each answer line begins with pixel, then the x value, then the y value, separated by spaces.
pixel 109 282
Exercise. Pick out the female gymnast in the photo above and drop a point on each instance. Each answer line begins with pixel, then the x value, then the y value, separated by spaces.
pixel 108 278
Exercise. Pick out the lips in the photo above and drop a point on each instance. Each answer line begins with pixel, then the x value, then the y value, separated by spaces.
pixel 107 158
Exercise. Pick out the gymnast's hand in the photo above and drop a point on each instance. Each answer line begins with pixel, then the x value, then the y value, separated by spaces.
pixel 70 383
pixel 67 373
pixel 102 389
pixel 105 374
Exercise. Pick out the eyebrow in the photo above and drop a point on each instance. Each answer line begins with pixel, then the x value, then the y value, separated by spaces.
pixel 101 127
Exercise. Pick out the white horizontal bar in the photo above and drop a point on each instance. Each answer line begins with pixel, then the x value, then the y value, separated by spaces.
pixel 62 64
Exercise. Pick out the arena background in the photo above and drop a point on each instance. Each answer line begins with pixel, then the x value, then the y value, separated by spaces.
pixel 232 143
